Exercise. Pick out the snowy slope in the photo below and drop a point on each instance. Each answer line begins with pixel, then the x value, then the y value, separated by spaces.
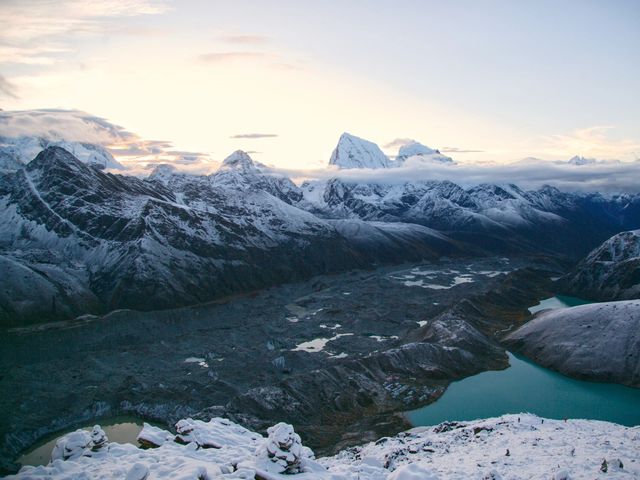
pixel 508 447
pixel 396 241
pixel 609 272
pixel 158 243
pixel 599 341
pixel 173 239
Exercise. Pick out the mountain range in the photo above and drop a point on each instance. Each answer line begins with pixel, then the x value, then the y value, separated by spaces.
pixel 75 239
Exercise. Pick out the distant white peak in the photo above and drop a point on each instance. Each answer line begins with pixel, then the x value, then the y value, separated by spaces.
pixel 415 148
pixel 162 172
pixel 422 152
pixel 239 160
pixel 578 160
pixel 355 152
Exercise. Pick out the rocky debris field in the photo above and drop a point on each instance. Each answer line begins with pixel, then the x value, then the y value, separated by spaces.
pixel 337 356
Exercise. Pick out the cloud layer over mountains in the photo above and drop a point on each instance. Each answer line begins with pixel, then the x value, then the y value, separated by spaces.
pixel 76 126
pixel 530 173
pixel 140 155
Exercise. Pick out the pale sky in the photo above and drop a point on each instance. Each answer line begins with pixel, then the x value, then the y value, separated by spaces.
pixel 487 81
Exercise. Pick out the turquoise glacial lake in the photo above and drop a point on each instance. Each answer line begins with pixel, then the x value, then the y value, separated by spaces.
pixel 559 301
pixel 528 387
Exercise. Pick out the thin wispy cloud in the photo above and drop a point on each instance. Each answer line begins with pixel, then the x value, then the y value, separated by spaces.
pixel 270 60
pixel 401 142
pixel 398 142
pixel 254 135
pixel 33 31
pixel 458 150
pixel 226 57
pixel 245 39
pixel 76 126
pixel 596 141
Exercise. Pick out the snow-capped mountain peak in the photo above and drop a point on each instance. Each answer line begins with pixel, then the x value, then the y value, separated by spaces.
pixel 56 159
pixel 422 152
pixel 355 152
pixel 162 173
pixel 239 160
pixel 415 148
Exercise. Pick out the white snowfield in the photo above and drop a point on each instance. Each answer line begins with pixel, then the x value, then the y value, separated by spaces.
pixel 511 447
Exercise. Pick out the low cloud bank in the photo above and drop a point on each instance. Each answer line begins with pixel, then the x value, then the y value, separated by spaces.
pixel 609 177
pixel 140 156
pixel 137 154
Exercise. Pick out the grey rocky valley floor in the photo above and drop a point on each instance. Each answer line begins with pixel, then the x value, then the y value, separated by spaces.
pixel 336 356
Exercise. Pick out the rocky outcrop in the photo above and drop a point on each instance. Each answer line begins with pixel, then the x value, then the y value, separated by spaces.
pixel 283 451
pixel 79 443
pixel 610 272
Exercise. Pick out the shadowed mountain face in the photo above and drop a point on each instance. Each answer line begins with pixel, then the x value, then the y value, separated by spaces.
pixel 609 272
pixel 500 218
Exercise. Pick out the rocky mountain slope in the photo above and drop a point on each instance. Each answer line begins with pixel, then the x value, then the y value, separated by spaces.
pixel 80 240
pixel 599 341
pixel 511 446
pixel 610 272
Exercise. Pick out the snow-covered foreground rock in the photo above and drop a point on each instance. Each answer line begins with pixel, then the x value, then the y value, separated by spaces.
pixel 508 447
pixel 597 341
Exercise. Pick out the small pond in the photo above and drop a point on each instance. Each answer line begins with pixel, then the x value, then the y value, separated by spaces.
pixel 121 429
